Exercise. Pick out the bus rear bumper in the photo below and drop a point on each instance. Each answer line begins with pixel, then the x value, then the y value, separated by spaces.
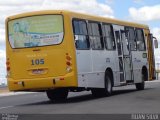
pixel 41 84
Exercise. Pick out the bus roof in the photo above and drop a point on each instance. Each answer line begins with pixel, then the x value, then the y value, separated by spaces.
pixel 108 20
pixel 81 16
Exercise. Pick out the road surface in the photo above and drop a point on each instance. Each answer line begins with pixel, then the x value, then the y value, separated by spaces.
pixel 125 100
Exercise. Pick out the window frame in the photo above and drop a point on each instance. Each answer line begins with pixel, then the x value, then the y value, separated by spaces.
pixel 111 26
pixel 87 36
pixel 138 40
pixel 100 34
pixel 130 27
pixel 7 29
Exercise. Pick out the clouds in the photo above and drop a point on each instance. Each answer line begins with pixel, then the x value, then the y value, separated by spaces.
pixel 84 6
pixel 140 2
pixel 17 2
pixel 146 13
pixel 156 32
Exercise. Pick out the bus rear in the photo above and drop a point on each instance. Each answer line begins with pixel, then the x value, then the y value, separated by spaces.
pixel 40 53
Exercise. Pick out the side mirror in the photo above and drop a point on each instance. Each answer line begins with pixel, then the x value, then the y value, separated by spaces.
pixel 155 42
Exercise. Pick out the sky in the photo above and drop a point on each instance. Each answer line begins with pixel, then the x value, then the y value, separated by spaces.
pixel 141 11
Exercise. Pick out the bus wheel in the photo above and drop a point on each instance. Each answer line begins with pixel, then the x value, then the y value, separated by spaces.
pixel 59 94
pixel 108 84
pixel 140 86
pixel 107 91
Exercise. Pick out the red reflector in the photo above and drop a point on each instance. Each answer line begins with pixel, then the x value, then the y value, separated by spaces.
pixel 37 50
pixel 61 78
pixel 68 63
pixel 15 83
pixel 8 68
pixel 7 63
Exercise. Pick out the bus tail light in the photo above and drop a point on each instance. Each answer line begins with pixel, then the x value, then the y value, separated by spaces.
pixel 68 57
pixel 69 69
pixel 8 65
pixel 8 68
pixel 61 78
pixel 68 63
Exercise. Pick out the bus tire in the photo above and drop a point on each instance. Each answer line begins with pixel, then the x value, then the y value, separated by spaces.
pixel 141 86
pixel 59 94
pixel 107 91
pixel 108 84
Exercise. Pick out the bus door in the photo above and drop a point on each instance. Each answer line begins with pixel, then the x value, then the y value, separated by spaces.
pixel 124 54
pixel 127 56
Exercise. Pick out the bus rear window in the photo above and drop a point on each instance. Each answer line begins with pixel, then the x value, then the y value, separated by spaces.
pixel 35 31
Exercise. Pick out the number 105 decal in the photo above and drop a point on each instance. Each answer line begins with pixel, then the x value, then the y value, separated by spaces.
pixel 37 62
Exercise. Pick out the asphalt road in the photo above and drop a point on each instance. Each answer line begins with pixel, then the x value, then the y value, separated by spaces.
pixel 124 100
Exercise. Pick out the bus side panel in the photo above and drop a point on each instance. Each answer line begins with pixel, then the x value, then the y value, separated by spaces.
pixel 138 62
pixel 84 66
pixel 102 59
pixel 92 65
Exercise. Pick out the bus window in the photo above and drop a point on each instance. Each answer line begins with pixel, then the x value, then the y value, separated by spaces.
pixel 36 31
pixel 108 37
pixel 132 38
pixel 140 40
pixel 95 33
pixel 80 34
pixel 119 47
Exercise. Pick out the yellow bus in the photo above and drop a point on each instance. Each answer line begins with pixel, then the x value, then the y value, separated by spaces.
pixel 61 51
